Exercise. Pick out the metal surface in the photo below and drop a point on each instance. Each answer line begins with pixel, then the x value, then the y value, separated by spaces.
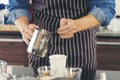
pixel 108 31
pixel 114 34
pixel 109 43
pixel 39 42
pixel 10 40
pixel 19 71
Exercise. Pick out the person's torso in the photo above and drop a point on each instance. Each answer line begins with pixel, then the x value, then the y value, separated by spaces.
pixel 62 8
pixel 48 14
pixel 54 10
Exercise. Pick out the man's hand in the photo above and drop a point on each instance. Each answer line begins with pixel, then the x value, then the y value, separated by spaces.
pixel 25 28
pixel 27 32
pixel 67 28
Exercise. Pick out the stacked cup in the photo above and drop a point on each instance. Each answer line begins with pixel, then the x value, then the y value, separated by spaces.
pixel 59 62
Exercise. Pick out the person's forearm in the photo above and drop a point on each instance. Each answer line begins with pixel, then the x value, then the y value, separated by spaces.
pixel 21 22
pixel 25 28
pixel 87 22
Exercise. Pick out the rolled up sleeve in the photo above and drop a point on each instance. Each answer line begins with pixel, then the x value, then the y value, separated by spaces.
pixel 103 10
pixel 15 14
pixel 18 8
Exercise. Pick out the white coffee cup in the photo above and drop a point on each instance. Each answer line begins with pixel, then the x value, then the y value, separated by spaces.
pixel 58 61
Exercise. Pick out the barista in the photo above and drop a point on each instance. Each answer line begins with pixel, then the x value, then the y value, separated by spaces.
pixel 74 21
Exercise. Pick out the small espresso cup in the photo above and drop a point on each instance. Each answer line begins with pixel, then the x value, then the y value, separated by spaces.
pixel 72 73
pixel 46 73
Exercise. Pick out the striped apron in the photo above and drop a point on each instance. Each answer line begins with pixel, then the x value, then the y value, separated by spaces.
pixel 80 49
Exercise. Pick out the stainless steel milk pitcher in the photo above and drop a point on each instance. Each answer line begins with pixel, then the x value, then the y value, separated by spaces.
pixel 39 42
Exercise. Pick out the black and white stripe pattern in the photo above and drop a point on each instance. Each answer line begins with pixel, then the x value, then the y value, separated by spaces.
pixel 81 48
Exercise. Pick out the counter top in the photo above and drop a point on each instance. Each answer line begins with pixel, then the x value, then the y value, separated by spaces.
pixel 8 28
pixel 10 40
pixel 27 71
pixel 11 29
pixel 110 75
pixel 108 34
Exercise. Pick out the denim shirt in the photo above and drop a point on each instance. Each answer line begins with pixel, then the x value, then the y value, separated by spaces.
pixel 103 10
